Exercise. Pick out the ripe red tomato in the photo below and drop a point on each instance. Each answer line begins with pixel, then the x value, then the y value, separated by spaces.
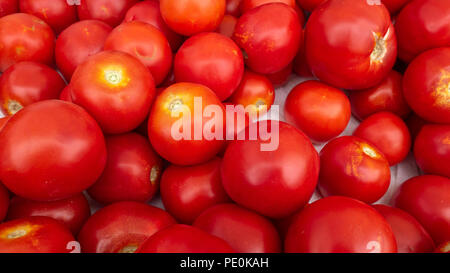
pixel 34 235
pixel 4 201
pixel 270 35
pixel 51 150
pixel 8 7
pixel 386 96
pixel 432 149
pixel 72 212
pixel 122 227
pixel 388 133
pixel 426 83
pixel 427 19
pixel 346 54
pixel 339 225
pixel 233 7
pixel 132 171
pixel 322 112
pixel 77 42
pixel 411 237
pixel 184 239
pixel 244 230
pixel 228 25
pixel 58 14
pixel 247 5
pixel 115 88
pixel 443 248
pixel 180 134
pixel 146 43
pixel 281 77
pixel 110 12
pixel 350 166
pixel 25 83
pixel 189 17
pixel 25 37
pixel 310 5
pixel 274 183
pixel 394 6
pixel 148 12
pixel 427 198
pixel 211 59
pixel 66 94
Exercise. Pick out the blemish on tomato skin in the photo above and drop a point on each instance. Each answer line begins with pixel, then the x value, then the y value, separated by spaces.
pixel 441 93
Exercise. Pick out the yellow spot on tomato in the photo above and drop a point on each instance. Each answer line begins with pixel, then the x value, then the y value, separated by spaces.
pixel 17 232
pixel 115 76
pixel 441 93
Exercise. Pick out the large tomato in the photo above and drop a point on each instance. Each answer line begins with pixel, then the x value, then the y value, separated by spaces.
pixel 110 12
pixel 122 227
pixel 10 6
pixel 270 36
pixel 25 83
pixel 273 182
pixel 51 150
pixel 211 59
pixel 115 88
pixel 346 54
pixel 25 37
pixel 4 202
pixel 247 5
pixel 339 224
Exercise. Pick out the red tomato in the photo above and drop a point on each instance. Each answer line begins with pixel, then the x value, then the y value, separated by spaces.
pixel 352 167
pixel 427 19
pixel 443 248
pixel 4 201
pixel 189 17
pixel 110 12
pixel 247 5
pixel 132 171
pixel 8 7
pixel 426 83
pixel 432 149
pixel 274 183
pixel 322 112
pixel 184 239
pixel 394 6
pixel 386 96
pixel 51 150
pixel 177 129
pixel 188 191
pixel 25 83
pixel 281 77
pixel 427 198
pixel 115 88
pixel 227 25
pixel 3 122
pixel 346 54
pixel 339 225
pixel 411 237
pixel 25 37
pixel 146 43
pixel 388 133
pixel 122 227
pixel 148 12
pixel 35 235
pixel 244 230
pixel 58 14
pixel 310 5
pixel 77 42
pixel 300 65
pixel 415 124
pixel 270 35
pixel 66 93
pixel 232 7
pixel 72 212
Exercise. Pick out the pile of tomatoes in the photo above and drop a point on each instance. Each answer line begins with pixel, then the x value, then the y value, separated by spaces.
pixel 91 90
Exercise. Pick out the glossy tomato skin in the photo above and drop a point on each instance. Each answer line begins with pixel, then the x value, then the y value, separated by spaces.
pixel 165 129
pixel 233 7
pixel 35 234
pixel 116 89
pixel 72 212
pixel 25 37
pixel 350 166
pixel 310 5
pixel 247 5
pixel 189 17
pixel 110 12
pixel 244 230
pixel 432 149
pixel 25 83
pixel 211 59
pixel 425 85
pixel 280 188
pixel 146 43
pixel 321 111
pixel 122 227
pixel 388 133
pixel 339 225
pixel 184 239
pixel 227 26
pixel 60 161
pixel 270 35
pixel 348 55
pixel 4 201
pixel 132 171
pixel 427 198
pixel 411 237
pixel 427 19
pixel 8 7
pixel 77 42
